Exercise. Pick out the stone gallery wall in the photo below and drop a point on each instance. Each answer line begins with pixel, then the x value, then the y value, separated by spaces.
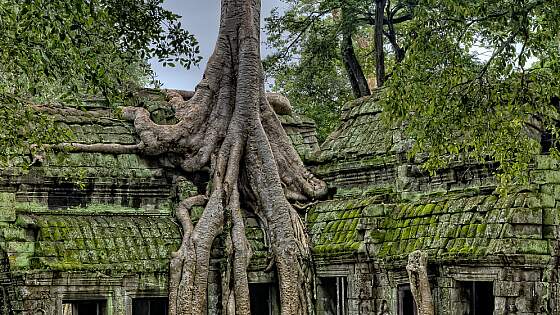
pixel 384 207
pixel 100 227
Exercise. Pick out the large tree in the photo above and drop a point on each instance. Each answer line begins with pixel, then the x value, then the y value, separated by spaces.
pixel 229 129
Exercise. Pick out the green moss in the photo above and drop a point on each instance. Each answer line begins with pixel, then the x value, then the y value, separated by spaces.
pixel 480 230
pixel 405 234
pixel 428 209
pixel 537 247
pixel 415 211
pixel 464 231
pixel 421 230
pixel 418 244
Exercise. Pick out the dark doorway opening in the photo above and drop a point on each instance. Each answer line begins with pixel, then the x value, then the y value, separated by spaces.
pixel 149 306
pixel 477 297
pixel 333 296
pixel 406 303
pixel 84 307
pixel 264 299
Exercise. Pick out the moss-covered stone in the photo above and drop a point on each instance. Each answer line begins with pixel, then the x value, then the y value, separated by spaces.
pixel 7 206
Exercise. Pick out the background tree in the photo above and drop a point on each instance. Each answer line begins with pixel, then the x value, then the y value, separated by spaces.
pixel 315 80
pixel 62 50
pixel 317 42
pixel 479 81
pixel 471 79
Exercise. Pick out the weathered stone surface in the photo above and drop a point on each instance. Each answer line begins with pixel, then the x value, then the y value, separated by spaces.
pixel 7 206
pixel 112 238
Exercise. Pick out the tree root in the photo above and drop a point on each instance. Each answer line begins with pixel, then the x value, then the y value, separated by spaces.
pixel 110 148
pixel 417 269
pixel 279 102
pixel 229 126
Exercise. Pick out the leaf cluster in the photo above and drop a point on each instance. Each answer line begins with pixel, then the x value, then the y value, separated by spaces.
pixel 478 82
pixel 62 50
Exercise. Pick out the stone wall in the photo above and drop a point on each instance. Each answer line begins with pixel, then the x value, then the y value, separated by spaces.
pixel 92 226
pixel 109 235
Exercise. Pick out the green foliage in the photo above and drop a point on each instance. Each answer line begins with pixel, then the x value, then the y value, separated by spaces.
pixel 308 65
pixel 309 70
pixel 60 50
pixel 478 81
pixel 23 128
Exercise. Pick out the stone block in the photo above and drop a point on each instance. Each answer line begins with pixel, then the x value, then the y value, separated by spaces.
pixel 19 261
pixel 550 232
pixel 526 216
pixel 551 217
pixel 556 192
pixel 14 233
pixel 506 288
pixel 7 207
pixel 20 247
pixel 374 210
pixel 538 247
pixel 545 176
pixel 533 202
pixel 546 162
pixel 547 200
pixel 523 231
pixel 527 276
pixel 500 306
pixel 493 230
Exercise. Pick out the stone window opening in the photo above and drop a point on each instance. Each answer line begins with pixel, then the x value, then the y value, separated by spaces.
pixel 264 299
pixel 405 301
pixel 477 297
pixel 333 296
pixel 150 306
pixel 84 307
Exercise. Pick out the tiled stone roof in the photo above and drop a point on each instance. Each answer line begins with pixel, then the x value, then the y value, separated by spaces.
pixel 386 207
pixel 361 133
pixel 480 225
pixel 74 242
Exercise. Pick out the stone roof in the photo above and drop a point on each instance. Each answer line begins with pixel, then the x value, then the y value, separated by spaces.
pixel 360 135
pixel 451 227
pixel 385 207
pixel 91 243
pixel 122 217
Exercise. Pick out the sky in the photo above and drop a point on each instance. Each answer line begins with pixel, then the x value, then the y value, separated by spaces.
pixel 201 18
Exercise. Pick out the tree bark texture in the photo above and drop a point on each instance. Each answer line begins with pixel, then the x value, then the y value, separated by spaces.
pixel 356 76
pixel 378 42
pixel 229 127
pixel 417 269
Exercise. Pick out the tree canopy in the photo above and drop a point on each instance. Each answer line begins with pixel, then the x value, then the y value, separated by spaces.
pixel 326 52
pixel 469 80
pixel 479 79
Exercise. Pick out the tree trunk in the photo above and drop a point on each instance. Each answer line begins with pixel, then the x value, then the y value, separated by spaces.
pixel 229 127
pixel 356 76
pixel 417 269
pixel 378 42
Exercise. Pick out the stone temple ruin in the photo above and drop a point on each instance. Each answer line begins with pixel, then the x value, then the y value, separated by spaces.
pixel 102 245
